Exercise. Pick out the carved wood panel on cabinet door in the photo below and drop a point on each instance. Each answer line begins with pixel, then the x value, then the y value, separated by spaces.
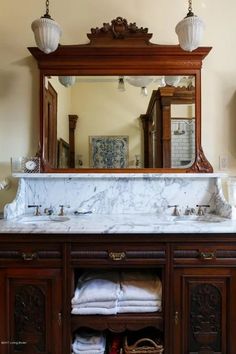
pixel 204 311
pixel 33 311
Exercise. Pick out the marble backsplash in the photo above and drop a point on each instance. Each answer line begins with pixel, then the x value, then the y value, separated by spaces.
pixel 118 193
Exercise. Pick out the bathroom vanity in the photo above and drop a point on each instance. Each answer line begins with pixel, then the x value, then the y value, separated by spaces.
pixel 121 222
pixel 162 218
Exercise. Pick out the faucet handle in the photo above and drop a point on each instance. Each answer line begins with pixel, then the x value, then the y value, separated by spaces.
pixel 37 212
pixel 200 207
pixel 176 211
pixel 61 212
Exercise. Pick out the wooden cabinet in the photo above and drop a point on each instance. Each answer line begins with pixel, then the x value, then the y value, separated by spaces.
pixel 38 276
pixel 30 298
pixel 203 310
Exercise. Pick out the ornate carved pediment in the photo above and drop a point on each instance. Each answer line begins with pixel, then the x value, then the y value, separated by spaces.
pixel 119 30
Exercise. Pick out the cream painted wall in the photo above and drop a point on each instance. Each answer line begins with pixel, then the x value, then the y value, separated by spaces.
pixel 19 77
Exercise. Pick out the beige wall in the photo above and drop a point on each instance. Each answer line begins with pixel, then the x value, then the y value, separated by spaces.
pixel 19 79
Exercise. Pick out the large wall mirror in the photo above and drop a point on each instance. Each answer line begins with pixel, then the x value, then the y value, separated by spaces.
pixel 121 104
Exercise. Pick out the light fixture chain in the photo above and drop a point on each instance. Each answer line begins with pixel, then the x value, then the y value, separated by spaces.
pixel 190 5
pixel 47 7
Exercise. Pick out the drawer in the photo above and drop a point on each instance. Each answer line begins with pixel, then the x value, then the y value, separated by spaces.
pixel 30 253
pixel 120 255
pixel 204 254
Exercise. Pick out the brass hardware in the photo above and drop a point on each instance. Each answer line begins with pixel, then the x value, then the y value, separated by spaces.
pixel 207 256
pixel 176 211
pixel 29 256
pixel 59 319
pixel 37 211
pixel 117 256
pixel 176 318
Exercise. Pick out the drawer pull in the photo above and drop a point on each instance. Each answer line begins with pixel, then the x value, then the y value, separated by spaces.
pixel 207 256
pixel 29 256
pixel 117 256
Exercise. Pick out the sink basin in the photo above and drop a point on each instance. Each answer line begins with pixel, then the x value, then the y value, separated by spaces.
pixel 198 218
pixel 32 219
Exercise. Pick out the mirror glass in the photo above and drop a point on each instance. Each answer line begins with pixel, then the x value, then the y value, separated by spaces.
pixel 108 131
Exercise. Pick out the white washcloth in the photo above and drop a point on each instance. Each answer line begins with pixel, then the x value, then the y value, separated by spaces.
pixel 140 286
pixel 95 286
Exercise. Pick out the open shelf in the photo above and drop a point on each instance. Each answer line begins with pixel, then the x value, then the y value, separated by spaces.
pixel 119 322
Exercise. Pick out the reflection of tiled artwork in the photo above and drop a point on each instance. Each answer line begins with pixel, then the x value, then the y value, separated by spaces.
pixel 109 151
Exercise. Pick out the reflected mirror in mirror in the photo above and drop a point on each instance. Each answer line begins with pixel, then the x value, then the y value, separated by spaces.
pixel 119 122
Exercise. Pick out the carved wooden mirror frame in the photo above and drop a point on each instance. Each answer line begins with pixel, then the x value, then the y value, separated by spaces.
pixel 119 49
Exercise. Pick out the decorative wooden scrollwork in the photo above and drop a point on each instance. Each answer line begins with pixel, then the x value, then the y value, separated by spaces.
pixel 119 29
pixel 29 318
pixel 205 319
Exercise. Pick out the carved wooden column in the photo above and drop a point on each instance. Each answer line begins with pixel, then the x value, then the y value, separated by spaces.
pixel 147 140
pixel 166 94
pixel 72 126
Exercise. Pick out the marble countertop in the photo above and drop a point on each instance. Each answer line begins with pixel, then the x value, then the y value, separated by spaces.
pixel 118 224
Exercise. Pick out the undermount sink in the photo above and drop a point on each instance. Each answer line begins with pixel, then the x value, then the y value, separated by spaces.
pixel 33 219
pixel 200 218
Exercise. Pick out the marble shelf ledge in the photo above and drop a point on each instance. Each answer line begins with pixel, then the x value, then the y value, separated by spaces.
pixel 119 175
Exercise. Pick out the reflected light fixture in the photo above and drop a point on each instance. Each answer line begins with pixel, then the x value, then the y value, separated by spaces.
pixel 47 32
pixel 121 84
pixel 144 91
pixel 190 30
pixel 67 81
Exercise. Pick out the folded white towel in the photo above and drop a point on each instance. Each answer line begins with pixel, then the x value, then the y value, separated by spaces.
pixel 93 311
pixel 140 286
pixel 75 351
pixel 97 287
pixel 103 304
pixel 138 309
pixel 89 341
pixel 147 303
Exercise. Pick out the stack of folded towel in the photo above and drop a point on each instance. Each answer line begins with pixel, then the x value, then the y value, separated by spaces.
pixel 89 343
pixel 109 293
pixel 140 292
pixel 96 293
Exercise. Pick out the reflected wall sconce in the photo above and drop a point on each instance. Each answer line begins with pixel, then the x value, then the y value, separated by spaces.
pixel 47 32
pixel 190 30
pixel 67 81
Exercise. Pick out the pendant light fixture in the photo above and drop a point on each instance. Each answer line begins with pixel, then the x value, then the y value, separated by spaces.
pixel 67 81
pixel 47 32
pixel 190 30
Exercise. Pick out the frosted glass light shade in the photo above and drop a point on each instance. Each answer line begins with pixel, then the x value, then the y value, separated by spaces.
pixel 190 32
pixel 139 81
pixel 47 33
pixel 172 80
pixel 67 81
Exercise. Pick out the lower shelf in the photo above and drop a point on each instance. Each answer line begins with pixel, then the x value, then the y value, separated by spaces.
pixel 118 323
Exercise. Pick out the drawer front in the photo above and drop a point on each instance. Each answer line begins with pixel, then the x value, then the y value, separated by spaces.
pixel 30 253
pixel 117 255
pixel 204 254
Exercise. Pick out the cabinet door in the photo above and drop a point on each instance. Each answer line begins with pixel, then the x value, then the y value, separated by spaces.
pixel 204 312
pixel 32 311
